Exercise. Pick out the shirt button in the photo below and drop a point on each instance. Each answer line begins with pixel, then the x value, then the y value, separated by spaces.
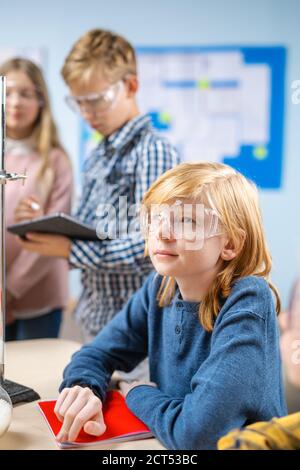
pixel 177 329
pixel 179 304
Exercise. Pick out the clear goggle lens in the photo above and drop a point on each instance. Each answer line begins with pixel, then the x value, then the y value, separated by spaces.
pixel 24 94
pixel 190 222
pixel 96 102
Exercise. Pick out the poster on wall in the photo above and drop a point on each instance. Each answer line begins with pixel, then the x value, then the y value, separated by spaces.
pixel 223 104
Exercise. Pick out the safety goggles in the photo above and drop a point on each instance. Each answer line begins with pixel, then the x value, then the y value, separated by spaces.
pixel 25 95
pixel 96 102
pixel 181 221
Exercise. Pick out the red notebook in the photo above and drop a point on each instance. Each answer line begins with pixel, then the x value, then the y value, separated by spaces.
pixel 121 424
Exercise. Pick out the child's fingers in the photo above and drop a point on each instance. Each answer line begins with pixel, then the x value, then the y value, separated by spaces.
pixel 72 420
pixel 29 246
pixel 27 201
pixel 25 205
pixel 22 207
pixel 69 400
pixel 32 198
pixel 71 409
pixel 63 434
pixel 46 239
pixel 283 319
pixel 32 246
pixel 87 414
pixel 95 428
pixel 24 214
pixel 39 237
pixel 59 402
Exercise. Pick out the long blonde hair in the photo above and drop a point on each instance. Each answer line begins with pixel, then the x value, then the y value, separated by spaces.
pixel 235 199
pixel 45 134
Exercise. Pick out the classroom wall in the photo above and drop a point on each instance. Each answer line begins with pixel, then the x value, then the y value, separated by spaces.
pixel 55 25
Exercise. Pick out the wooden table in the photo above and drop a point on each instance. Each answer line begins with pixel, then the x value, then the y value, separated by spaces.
pixel 39 364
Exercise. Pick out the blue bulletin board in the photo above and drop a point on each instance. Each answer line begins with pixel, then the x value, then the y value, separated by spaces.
pixel 221 104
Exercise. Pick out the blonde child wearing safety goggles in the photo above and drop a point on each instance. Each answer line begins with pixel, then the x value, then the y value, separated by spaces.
pixel 206 318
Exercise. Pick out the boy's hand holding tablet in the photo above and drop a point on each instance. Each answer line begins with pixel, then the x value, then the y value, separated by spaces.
pixel 47 245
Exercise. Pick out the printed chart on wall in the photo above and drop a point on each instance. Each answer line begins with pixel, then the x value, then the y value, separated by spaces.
pixel 223 104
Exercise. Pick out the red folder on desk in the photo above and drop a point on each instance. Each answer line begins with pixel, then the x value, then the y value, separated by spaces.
pixel 121 424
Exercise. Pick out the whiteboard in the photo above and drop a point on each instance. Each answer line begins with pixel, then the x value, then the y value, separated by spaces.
pixel 223 104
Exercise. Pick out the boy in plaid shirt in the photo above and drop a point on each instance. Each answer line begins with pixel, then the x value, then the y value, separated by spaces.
pixel 101 73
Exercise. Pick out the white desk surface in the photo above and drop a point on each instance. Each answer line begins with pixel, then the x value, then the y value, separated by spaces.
pixel 39 364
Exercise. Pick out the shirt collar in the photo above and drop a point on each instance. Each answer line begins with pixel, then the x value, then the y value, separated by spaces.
pixel 125 134
pixel 184 304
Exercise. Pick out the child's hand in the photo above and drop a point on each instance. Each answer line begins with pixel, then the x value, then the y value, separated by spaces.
pixel 283 319
pixel 78 408
pixel 46 244
pixel 28 208
pixel 125 387
pixel 290 352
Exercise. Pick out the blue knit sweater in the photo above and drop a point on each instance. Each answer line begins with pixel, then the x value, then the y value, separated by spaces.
pixel 207 383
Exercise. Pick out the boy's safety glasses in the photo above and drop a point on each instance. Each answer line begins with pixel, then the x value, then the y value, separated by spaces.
pixel 96 102
pixel 181 221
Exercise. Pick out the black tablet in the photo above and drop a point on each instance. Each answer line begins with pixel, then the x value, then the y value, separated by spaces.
pixel 58 224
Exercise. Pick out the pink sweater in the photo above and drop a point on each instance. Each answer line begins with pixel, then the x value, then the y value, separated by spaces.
pixel 37 283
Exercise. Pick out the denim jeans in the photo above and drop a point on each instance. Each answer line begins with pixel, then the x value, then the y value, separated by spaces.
pixel 45 326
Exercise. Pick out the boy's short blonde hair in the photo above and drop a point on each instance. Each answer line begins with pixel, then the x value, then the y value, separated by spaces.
pixel 98 47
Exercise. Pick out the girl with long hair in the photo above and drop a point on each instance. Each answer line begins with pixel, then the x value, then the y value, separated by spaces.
pixel 37 287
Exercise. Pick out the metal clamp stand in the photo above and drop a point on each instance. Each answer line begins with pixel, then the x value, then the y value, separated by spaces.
pixel 4 178
pixel 17 392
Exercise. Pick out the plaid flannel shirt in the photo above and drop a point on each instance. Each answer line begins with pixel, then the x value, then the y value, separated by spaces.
pixel 124 164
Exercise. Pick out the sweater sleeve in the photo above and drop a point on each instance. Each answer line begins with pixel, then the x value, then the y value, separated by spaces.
pixel 126 255
pixel 29 268
pixel 121 345
pixel 227 386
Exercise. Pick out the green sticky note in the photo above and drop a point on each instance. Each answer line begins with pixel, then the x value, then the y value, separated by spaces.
pixel 96 137
pixel 165 117
pixel 203 84
pixel 260 152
